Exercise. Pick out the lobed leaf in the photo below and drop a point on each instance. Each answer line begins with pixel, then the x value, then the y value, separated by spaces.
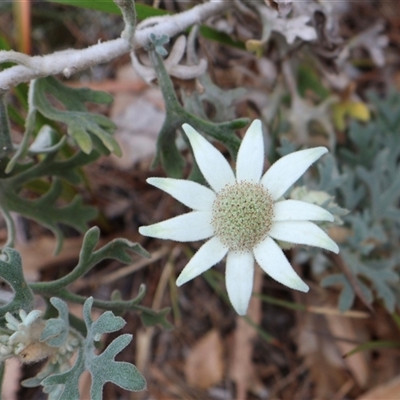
pixel 46 212
pixel 56 330
pixel 82 125
pixel 103 367
pixel 11 272
pixel 167 150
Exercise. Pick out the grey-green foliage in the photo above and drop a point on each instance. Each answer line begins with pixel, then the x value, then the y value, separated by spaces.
pixel 59 164
pixel 11 272
pixel 63 335
pixel 222 101
pixel 158 42
pixel 5 136
pixel 46 162
pixel 56 330
pixel 366 176
pixel 82 125
pixel 89 257
pixel 102 367
pixel 168 153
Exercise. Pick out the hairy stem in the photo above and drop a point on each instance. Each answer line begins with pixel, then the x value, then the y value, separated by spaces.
pixel 68 62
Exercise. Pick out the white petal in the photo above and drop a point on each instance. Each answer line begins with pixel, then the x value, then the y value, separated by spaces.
pixel 302 232
pixel 189 227
pixel 239 279
pixel 296 210
pixel 209 254
pixel 189 193
pixel 271 259
pixel 287 170
pixel 250 159
pixel 214 167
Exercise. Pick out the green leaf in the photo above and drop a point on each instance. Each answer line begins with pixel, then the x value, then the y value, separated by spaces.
pixel 308 79
pixel 66 169
pixel 106 323
pixel 4 45
pixel 365 138
pixel 384 193
pixel 379 273
pixel 152 318
pixel 82 125
pixel 44 210
pixel 388 108
pixel 56 330
pixel 107 6
pixel 11 272
pixel 5 137
pixel 396 319
pixel 158 42
pixel 368 181
pixel 143 11
pixel 221 37
pixel 347 296
pixel 117 249
pixel 374 345
pixel 103 367
pixel 223 101
pixel 69 380
pixel 176 115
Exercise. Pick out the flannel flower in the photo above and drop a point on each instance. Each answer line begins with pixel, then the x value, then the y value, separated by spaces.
pixel 242 216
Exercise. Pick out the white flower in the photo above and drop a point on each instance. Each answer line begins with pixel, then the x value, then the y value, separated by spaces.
pixel 24 342
pixel 243 215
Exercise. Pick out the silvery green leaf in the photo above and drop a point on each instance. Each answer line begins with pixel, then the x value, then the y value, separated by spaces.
pixel 56 330
pixel 222 101
pixel 103 368
pixel 11 272
pixel 286 147
pixel 329 174
pixel 82 125
pixel 45 211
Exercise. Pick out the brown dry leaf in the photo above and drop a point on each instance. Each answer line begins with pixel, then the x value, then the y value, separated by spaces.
pixel 12 376
pixel 170 385
pixel 38 254
pixel 339 234
pixel 85 384
pixel 242 370
pixel 317 345
pixel 317 350
pixel 204 366
pixel 386 391
pixel 110 85
pixel 396 80
pixel 349 329
pixel 139 116
pixel 386 362
pixel 144 339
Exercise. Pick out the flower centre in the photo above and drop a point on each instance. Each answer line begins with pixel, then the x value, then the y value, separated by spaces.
pixel 242 215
